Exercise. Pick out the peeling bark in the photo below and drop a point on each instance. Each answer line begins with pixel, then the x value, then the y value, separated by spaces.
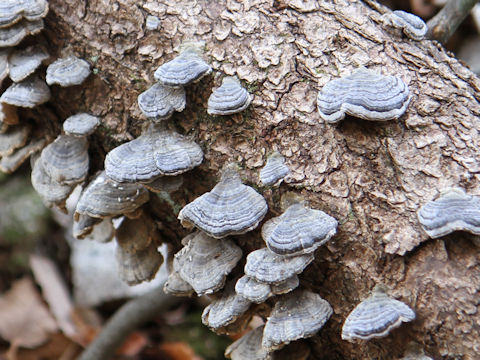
pixel 371 176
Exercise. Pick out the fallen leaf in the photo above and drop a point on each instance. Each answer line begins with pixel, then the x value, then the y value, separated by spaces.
pixel 24 319
pixel 54 292
pixel 133 344
pixel 178 351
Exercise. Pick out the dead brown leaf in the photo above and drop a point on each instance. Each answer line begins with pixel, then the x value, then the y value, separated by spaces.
pixel 24 319
pixel 178 351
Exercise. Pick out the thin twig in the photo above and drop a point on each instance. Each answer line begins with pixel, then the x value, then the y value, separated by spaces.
pixel 443 25
pixel 128 318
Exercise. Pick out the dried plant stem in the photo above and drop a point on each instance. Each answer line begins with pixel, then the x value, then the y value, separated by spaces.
pixel 443 25
pixel 129 317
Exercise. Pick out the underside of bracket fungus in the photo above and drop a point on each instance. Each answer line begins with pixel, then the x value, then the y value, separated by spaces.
pixel 228 313
pixel 12 11
pixel 229 98
pixel 29 93
pixel 268 267
pixel 205 262
pixel 104 197
pixel 134 235
pixel 14 34
pixel 23 63
pixel 412 26
pixel 248 347
pixel 83 225
pixel 52 192
pixel 68 71
pixel 364 94
pixel 274 170
pixel 165 183
pixel 299 230
pixel 159 102
pixel 80 125
pixel 66 159
pixel 186 68
pixel 375 316
pixel 299 314
pixel 453 211
pixel 176 286
pixel 155 153
pixel 136 267
pixel 229 208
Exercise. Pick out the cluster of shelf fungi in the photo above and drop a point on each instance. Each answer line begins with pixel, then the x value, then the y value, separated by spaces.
pixel 154 163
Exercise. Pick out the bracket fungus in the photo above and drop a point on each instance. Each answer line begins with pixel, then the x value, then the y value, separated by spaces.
pixel 176 286
pixel 10 163
pixel 205 262
pixel 411 25
pixel 265 266
pixel 159 101
pixel 230 98
pixel 104 197
pixel 364 94
pixel 186 68
pixel 14 138
pixel 296 315
pixel 80 125
pixel 23 63
pixel 136 267
pixel 259 292
pixel 299 230
pixel 248 347
pixel 67 71
pixel 152 22
pixel 229 208
pixel 375 316
pixel 274 170
pixel 66 159
pixel 134 235
pixel 29 93
pixel 155 153
pixel 454 210
pixel 12 11
pixel 228 314
pixel 13 35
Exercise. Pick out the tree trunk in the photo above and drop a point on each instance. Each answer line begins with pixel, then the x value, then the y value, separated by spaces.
pixel 371 176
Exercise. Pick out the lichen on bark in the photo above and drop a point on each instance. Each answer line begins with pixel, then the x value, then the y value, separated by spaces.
pixel 371 176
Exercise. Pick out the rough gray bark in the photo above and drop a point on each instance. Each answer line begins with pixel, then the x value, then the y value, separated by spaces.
pixel 370 176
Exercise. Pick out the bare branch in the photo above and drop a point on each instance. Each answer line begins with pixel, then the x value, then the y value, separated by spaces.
pixel 443 25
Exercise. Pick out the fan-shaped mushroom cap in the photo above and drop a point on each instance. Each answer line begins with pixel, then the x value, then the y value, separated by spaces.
pixel 4 70
pixel 229 98
pixel 10 163
pixel 51 192
pixel 15 137
pixel 152 154
pixel 81 124
pixel 186 68
pixel 159 102
pixel 104 197
pixel 134 268
pixel 412 26
pixel 226 310
pixel 205 262
pixel 29 93
pixel 299 230
pixel 229 208
pixel 176 286
pixel 364 94
pixel 268 267
pixel 14 34
pixel 252 290
pixel 297 315
pixel 23 63
pixel 68 71
pixel 248 347
pixel 454 210
pixel 375 316
pixel 12 11
pixel 66 159
pixel 136 234
pixel 274 170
